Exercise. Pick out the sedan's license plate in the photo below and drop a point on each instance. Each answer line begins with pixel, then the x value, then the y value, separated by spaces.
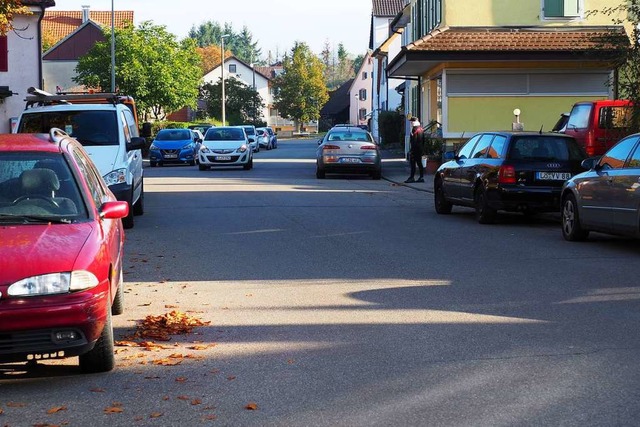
pixel 223 157
pixel 553 176
pixel 350 160
pixel 170 156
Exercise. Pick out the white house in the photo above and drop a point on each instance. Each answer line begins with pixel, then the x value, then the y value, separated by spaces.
pixel 20 63
pixel 250 76
pixel 360 93
pixel 385 43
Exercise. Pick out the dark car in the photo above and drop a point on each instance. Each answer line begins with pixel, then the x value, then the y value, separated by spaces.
pixel 174 146
pixel 606 198
pixel 348 150
pixel 508 171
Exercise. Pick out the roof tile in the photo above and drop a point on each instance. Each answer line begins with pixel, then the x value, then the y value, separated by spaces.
pixel 515 39
pixel 387 7
pixel 58 23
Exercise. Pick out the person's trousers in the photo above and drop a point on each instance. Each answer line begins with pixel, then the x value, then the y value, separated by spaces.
pixel 416 160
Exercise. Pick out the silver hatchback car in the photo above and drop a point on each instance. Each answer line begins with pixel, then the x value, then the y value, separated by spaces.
pixel 348 150
pixel 607 197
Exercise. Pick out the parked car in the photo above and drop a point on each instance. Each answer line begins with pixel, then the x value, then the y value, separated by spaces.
pixel 202 127
pixel 509 171
pixel 198 138
pixel 108 133
pixel 225 146
pixel 174 146
pixel 348 150
pixel 599 125
pixel 62 253
pixel 606 198
pixel 561 124
pixel 251 135
pixel 263 137
pixel 274 137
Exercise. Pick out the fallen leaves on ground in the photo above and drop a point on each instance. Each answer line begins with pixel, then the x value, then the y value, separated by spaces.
pixel 16 404
pixel 56 409
pixel 162 327
pixel 156 415
pixel 97 390
pixel 251 406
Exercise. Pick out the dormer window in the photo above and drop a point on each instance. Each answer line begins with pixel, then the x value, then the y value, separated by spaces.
pixel 232 68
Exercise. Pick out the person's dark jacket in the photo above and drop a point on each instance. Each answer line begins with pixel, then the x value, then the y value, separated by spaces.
pixel 415 141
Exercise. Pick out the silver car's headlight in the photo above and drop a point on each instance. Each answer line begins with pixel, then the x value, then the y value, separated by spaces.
pixel 55 283
pixel 242 148
pixel 116 177
pixel 204 149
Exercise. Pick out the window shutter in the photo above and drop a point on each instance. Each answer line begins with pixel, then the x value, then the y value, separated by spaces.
pixel 4 54
pixel 554 8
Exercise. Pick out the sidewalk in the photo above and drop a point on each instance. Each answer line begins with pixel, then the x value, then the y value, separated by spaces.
pixel 396 169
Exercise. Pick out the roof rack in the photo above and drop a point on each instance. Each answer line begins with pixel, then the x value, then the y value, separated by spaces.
pixel 38 97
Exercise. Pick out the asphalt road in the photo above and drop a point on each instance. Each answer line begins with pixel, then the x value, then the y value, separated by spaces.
pixel 349 302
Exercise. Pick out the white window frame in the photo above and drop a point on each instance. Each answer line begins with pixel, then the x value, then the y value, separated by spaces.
pixel 579 16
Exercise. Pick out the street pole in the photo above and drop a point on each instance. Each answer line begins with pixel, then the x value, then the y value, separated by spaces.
pixel 113 51
pixel 253 69
pixel 357 109
pixel 224 101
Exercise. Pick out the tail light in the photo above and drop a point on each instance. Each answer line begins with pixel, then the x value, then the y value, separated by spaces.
pixel 507 175
pixel 331 147
pixel 590 144
pixel 368 147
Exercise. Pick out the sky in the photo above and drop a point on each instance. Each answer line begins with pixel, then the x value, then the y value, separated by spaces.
pixel 274 24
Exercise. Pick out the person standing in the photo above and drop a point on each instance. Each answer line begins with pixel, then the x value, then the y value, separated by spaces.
pixel 415 150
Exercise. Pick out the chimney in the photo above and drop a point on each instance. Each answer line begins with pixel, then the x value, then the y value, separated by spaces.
pixel 85 14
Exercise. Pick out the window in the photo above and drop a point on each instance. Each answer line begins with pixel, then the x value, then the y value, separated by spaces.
pixel 615 158
pixel 497 147
pixel 362 95
pixel 465 151
pixel 634 162
pixel 561 8
pixel 482 147
pixel 364 75
pixel 232 68
pixel 4 54
pixel 362 114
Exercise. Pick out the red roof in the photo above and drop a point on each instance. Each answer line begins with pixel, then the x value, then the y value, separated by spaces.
pixel 59 23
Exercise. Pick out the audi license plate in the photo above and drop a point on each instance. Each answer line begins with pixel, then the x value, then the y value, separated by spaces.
pixel 170 156
pixel 350 160
pixel 223 158
pixel 553 176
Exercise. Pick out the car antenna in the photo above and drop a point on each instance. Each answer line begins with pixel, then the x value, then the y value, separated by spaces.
pixel 541 129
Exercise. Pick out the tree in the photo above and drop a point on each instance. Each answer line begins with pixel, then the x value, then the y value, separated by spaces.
pixel 244 104
pixel 300 89
pixel 162 74
pixel 210 57
pixel 241 44
pixel 9 8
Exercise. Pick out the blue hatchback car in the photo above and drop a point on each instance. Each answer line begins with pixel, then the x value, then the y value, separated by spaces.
pixel 174 146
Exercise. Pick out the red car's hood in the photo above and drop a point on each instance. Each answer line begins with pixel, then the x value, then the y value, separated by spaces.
pixel 30 250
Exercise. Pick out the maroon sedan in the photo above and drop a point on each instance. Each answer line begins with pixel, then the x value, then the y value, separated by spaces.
pixel 61 253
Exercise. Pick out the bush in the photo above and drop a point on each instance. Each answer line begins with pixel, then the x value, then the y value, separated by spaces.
pixel 390 128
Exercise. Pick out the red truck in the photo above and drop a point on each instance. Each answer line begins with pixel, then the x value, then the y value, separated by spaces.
pixel 599 125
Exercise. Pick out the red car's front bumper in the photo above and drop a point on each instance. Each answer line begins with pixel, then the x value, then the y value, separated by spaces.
pixel 51 327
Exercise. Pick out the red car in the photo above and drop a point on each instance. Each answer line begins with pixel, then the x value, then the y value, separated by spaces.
pixel 61 253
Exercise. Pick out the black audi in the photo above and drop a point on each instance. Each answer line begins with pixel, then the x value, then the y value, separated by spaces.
pixel 507 171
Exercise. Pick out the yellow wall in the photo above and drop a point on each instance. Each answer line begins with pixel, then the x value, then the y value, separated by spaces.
pixel 476 114
pixel 515 12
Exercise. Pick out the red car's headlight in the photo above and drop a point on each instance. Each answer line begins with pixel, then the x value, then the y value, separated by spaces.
pixel 51 284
